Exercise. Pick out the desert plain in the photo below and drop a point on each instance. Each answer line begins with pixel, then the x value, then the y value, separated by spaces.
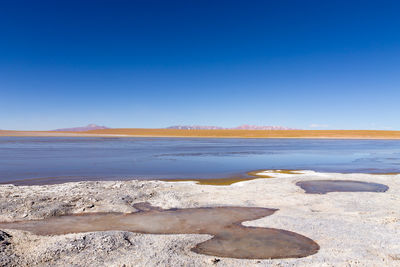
pixel 351 228
pixel 224 133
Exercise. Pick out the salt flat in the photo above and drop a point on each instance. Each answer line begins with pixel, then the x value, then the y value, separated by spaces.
pixel 351 228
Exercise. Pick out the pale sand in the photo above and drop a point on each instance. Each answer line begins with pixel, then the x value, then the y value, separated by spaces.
pixel 322 134
pixel 352 229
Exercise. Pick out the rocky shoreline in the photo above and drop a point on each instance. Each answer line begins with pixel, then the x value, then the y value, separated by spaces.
pixel 352 228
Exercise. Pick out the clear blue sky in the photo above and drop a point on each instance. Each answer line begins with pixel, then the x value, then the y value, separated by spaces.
pixel 304 64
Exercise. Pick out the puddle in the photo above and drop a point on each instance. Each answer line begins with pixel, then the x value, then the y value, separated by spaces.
pixel 235 179
pixel 230 237
pixel 326 186
pixel 226 180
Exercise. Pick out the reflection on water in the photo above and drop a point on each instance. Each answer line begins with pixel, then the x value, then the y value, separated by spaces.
pixel 326 186
pixel 230 237
pixel 57 159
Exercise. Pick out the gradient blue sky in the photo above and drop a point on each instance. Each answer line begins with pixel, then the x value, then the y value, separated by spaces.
pixel 302 64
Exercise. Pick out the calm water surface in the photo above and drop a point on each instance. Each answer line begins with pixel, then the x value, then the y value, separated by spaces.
pixel 58 159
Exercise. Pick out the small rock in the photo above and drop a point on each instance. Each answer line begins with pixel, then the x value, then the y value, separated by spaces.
pixel 215 260
pixel 4 236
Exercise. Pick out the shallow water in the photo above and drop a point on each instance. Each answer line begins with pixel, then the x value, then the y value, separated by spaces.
pixel 326 186
pixel 59 159
pixel 230 237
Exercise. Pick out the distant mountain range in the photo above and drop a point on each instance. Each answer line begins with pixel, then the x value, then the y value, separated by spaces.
pixel 195 127
pixel 82 129
pixel 241 127
pixel 181 127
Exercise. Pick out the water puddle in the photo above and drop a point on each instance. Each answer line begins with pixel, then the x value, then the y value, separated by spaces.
pixel 230 237
pixel 238 178
pixel 326 186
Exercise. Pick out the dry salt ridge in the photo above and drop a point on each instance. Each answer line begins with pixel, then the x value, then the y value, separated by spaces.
pixel 351 228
